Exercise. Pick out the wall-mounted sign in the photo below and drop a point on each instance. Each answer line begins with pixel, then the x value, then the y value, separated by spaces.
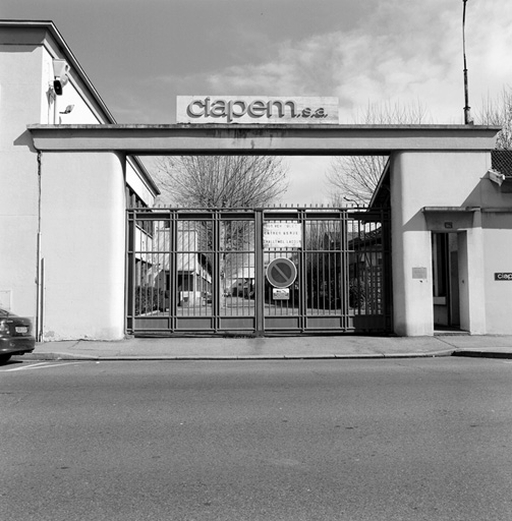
pixel 503 276
pixel 279 234
pixel 419 273
pixel 256 109
pixel 281 293
pixel 281 273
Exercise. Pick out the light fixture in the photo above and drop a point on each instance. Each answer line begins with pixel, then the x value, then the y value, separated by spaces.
pixel 68 109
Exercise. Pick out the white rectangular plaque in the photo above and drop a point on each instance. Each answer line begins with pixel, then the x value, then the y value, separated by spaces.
pixel 256 109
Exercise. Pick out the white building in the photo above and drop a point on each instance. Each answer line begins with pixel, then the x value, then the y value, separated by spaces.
pixel 62 216
pixel 68 173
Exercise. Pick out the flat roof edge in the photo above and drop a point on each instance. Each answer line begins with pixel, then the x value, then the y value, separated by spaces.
pixel 275 126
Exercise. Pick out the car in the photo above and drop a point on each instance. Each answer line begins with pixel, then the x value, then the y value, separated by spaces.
pixel 243 288
pixel 207 298
pixel 16 336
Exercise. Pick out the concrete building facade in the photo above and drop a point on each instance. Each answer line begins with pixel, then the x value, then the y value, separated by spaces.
pixel 62 219
pixel 68 177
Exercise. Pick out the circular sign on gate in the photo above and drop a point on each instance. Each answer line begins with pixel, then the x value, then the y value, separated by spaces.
pixel 281 272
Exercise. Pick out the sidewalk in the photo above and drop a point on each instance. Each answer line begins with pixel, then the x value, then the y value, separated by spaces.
pixel 305 347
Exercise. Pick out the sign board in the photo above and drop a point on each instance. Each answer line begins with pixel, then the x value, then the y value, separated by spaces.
pixel 281 293
pixel 256 109
pixel 503 276
pixel 281 272
pixel 279 234
pixel 419 273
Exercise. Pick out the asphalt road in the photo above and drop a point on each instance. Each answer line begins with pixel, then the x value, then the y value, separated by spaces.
pixel 416 439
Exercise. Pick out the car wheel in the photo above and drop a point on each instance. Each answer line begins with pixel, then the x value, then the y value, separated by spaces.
pixel 4 358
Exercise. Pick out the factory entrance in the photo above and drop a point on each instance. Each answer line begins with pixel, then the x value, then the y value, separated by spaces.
pixel 160 296
pixel 258 272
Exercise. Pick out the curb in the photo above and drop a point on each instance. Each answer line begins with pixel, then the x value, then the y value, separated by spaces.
pixel 482 354
pixel 134 358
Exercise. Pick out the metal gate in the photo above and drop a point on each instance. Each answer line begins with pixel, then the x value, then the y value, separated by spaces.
pixel 263 271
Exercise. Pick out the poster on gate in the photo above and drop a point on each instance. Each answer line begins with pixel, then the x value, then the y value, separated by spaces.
pixel 278 234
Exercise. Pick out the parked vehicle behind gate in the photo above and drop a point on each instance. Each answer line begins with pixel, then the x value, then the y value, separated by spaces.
pixel 15 335
pixel 243 288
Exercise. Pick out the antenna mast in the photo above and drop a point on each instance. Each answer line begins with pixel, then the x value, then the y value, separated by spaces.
pixel 468 120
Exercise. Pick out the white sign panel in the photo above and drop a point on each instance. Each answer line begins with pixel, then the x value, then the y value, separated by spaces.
pixel 256 109
pixel 282 235
pixel 281 293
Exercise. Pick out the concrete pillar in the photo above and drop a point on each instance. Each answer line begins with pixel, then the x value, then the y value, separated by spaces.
pixel 476 300
pixel 411 253
pixel 83 245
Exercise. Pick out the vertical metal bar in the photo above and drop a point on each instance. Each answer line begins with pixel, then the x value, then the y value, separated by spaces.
pixel 259 282
pixel 217 253
pixel 329 267
pixel 303 320
pixel 39 291
pixel 170 283
pixel 173 269
pixel 387 272
pixel 316 264
pixel 345 275
pixel 43 299
pixel 192 256
pixel 129 268
pixel 156 270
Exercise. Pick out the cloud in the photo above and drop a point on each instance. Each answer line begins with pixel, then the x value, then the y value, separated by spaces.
pixel 407 51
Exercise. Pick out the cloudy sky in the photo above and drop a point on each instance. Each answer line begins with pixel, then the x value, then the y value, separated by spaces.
pixel 141 54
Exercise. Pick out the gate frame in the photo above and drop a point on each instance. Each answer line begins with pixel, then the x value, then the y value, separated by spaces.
pixel 259 216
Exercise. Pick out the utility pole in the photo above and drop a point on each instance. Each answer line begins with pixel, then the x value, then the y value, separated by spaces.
pixel 468 120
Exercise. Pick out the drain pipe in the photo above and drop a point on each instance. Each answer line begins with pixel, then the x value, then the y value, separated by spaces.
pixel 39 330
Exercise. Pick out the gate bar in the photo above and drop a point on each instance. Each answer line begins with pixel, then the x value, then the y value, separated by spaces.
pixel 259 269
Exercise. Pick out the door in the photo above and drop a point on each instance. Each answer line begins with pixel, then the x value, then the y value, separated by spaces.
pixel 445 280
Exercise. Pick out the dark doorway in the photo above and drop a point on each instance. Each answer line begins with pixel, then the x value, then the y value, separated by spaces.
pixel 445 280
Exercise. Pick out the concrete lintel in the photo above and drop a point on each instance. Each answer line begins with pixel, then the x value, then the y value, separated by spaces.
pixel 450 209
pixel 259 139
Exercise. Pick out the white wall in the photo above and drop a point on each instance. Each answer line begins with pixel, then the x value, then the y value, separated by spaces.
pixel 76 201
pixel 26 72
pixel 138 185
pixel 497 247
pixel 83 246
pixel 52 107
pixel 20 74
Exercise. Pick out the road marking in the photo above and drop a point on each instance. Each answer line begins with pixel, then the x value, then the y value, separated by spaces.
pixel 24 367
pixel 40 365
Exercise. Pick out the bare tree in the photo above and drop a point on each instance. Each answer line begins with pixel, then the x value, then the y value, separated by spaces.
pixel 214 182
pixel 222 181
pixel 498 112
pixel 354 178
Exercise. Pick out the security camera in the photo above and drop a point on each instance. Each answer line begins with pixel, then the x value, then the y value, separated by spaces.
pixel 60 73
pixel 495 176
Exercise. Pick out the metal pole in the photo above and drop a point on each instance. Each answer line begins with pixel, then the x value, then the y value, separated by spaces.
pixel 39 256
pixel 467 109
